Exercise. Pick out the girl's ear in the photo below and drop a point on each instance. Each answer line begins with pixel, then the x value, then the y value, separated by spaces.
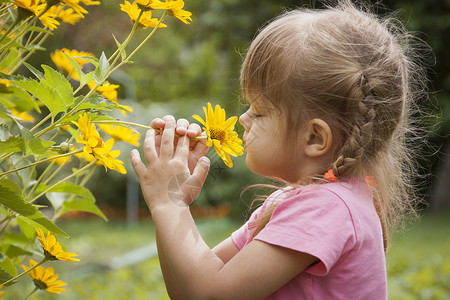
pixel 319 138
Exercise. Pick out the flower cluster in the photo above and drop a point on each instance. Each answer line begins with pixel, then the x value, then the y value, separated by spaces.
pixel 143 9
pixel 95 148
pixel 67 11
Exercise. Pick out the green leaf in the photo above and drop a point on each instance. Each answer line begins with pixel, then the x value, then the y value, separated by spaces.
pixel 91 59
pixel 60 197
pixel 44 93
pixel 15 202
pixel 26 229
pixel 75 65
pixel 14 251
pixel 37 146
pixel 87 78
pixel 40 221
pixel 60 84
pixel 123 54
pixel 4 276
pixel 102 68
pixel 23 100
pixel 28 212
pixel 12 144
pixel 7 264
pixel 35 71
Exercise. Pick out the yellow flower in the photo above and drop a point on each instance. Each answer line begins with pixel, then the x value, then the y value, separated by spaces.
pixel 146 19
pixel 109 158
pixel 121 133
pixel 22 115
pixel 90 2
pixel 221 133
pixel 45 279
pixel 153 4
pixel 61 61
pixel 94 145
pixel 27 4
pixel 74 4
pixel 109 91
pixel 176 10
pixel 65 15
pixel 48 19
pixel 53 249
pixel 1 292
pixel 90 138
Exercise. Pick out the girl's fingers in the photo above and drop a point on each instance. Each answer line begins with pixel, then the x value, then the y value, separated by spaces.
pixel 193 130
pixel 182 126
pixel 182 150
pixel 157 123
pixel 150 153
pixel 166 150
pixel 136 162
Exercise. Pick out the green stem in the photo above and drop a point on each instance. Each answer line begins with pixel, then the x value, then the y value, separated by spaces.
pixel 5 21
pixel 41 122
pixel 9 30
pixel 127 40
pixel 25 272
pixel 65 179
pixel 32 292
pixel 141 126
pixel 142 43
pixel 41 161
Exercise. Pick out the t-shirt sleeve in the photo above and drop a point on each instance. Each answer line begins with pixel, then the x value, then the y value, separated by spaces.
pixel 315 221
pixel 242 235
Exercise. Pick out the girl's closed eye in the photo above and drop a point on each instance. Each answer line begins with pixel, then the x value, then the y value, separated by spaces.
pixel 255 115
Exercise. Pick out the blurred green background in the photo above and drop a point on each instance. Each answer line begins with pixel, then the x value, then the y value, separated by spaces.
pixel 179 71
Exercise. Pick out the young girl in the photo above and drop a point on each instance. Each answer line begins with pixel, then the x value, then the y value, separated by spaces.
pixel 330 93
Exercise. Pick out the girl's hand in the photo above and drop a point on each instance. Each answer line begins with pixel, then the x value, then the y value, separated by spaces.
pixel 166 178
pixel 197 147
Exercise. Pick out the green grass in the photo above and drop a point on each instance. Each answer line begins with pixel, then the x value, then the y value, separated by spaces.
pixel 418 261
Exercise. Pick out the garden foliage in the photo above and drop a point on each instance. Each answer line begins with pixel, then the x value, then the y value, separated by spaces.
pixel 54 125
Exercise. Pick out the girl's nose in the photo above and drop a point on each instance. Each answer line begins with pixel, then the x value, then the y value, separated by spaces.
pixel 245 121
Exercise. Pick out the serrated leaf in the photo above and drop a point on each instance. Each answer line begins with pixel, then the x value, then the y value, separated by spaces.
pixel 35 71
pixel 23 100
pixel 40 221
pixel 102 68
pixel 37 146
pixel 15 202
pixel 60 84
pixel 44 93
pixel 7 264
pixel 12 144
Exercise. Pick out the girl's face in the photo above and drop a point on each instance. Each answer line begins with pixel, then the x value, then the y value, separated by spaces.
pixel 267 154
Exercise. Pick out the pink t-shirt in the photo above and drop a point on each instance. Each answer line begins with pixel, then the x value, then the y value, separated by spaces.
pixel 338 224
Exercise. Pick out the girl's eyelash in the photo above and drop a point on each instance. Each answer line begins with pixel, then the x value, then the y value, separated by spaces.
pixel 254 116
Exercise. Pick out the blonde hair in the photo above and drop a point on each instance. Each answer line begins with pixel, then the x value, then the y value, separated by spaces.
pixel 356 71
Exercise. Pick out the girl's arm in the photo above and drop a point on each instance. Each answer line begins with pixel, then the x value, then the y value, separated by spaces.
pixel 197 150
pixel 255 272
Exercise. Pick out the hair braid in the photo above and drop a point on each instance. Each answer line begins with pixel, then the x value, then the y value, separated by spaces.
pixel 361 136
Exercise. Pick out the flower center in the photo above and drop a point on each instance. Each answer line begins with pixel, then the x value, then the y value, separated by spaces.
pixel 217 134
pixel 39 284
